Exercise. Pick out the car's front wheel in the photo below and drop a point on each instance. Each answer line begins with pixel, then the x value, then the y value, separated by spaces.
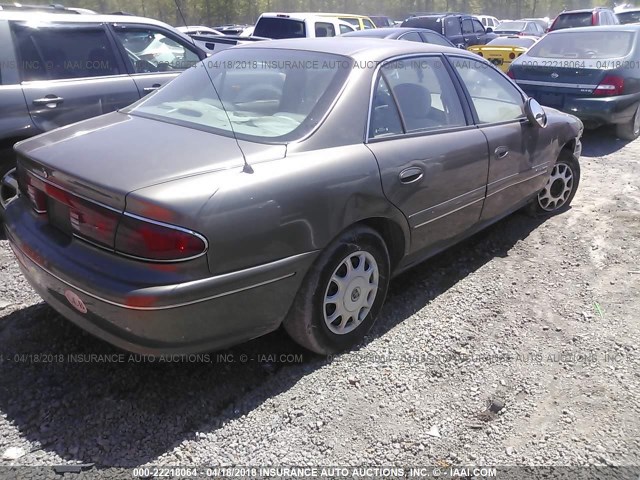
pixel 342 293
pixel 560 188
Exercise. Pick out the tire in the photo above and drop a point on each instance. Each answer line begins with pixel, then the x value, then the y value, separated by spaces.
pixel 561 187
pixel 631 129
pixel 7 165
pixel 324 326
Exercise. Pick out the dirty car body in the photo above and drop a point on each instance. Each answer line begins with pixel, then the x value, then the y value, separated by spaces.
pixel 192 220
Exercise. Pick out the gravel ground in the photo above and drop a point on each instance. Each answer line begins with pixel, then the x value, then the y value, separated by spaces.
pixel 520 346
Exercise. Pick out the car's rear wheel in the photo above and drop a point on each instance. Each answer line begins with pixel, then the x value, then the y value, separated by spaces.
pixel 631 129
pixel 561 187
pixel 8 182
pixel 342 293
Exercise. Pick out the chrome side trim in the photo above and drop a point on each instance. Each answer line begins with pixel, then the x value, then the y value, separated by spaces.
pixel 531 177
pixel 556 84
pixel 164 307
pixel 449 213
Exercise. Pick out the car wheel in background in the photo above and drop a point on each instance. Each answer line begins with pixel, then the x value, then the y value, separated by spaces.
pixel 342 293
pixel 631 129
pixel 560 188
pixel 8 182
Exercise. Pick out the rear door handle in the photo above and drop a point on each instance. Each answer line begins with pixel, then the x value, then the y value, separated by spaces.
pixel 153 87
pixel 411 175
pixel 501 152
pixel 52 100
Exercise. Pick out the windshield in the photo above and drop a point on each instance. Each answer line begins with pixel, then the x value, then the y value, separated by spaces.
pixel 632 16
pixel 516 26
pixel 278 98
pixel 512 42
pixel 570 20
pixel 278 28
pixel 584 45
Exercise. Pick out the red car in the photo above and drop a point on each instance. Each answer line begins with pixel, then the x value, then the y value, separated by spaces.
pixel 584 18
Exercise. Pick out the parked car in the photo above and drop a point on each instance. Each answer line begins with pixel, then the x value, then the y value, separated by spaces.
pixel 275 212
pixel 488 21
pixel 381 21
pixel 231 29
pixel 462 30
pixel 584 18
pixel 198 30
pixel 53 8
pixel 590 72
pixel 299 25
pixel 66 68
pixel 359 22
pixel 629 16
pixel 403 33
pixel 543 23
pixel 520 27
pixel 502 51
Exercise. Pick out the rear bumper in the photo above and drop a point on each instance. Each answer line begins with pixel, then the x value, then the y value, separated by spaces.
pixel 168 318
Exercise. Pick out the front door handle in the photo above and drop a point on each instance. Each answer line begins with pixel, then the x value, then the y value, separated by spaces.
pixel 501 152
pixel 153 87
pixel 411 175
pixel 50 101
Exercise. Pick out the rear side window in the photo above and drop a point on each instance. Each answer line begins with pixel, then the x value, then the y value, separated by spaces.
pixel 385 118
pixel 570 20
pixel 367 24
pixel 63 52
pixel 596 44
pixel 412 37
pixel 280 28
pixel 452 26
pixel 345 29
pixel 435 39
pixel 325 29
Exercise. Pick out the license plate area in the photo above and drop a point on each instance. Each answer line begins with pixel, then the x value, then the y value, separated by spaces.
pixel 554 100
pixel 59 216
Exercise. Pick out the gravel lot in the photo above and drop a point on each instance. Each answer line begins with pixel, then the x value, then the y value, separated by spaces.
pixel 537 321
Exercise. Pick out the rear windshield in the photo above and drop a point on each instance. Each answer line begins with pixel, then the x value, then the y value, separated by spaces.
pixel 629 17
pixel 584 45
pixel 516 26
pixel 259 95
pixel 512 42
pixel 570 20
pixel 432 23
pixel 278 28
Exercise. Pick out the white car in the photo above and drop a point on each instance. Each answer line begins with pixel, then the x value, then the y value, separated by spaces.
pixel 488 21
pixel 299 25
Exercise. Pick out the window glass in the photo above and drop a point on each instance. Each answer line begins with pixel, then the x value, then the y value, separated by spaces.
pixel 494 97
pixel 435 39
pixel 150 50
pixel 352 21
pixel 467 26
pixel 325 29
pixel 425 94
pixel 385 119
pixel 278 28
pixel 279 97
pixel 345 29
pixel 367 24
pixel 452 26
pixel 596 44
pixel 412 37
pixel 477 26
pixel 569 20
pixel 52 53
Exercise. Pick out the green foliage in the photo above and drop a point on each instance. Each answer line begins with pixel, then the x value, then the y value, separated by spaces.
pixel 218 12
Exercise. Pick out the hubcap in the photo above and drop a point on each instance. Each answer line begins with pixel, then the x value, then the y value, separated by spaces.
pixel 8 188
pixel 636 122
pixel 558 188
pixel 351 292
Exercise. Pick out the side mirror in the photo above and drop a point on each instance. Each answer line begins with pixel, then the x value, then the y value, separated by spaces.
pixel 535 113
pixel 489 30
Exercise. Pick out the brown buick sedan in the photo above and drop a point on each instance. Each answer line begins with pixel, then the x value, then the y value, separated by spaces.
pixel 280 182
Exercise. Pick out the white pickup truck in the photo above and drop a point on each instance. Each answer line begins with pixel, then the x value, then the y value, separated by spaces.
pixel 299 25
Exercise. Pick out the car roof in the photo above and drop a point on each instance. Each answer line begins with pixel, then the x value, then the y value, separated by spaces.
pixel 384 32
pixel 358 48
pixel 75 18
pixel 346 15
pixel 583 10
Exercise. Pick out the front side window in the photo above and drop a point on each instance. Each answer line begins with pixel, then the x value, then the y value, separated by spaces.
pixel 477 27
pixel 494 97
pixel 424 93
pixel 325 29
pixel 345 29
pixel 63 52
pixel 467 26
pixel 150 50
pixel 276 96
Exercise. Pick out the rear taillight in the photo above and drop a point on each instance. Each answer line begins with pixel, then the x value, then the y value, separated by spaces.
pixel 34 189
pixel 609 86
pixel 511 75
pixel 143 239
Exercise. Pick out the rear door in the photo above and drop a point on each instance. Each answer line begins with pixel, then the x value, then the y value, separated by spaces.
pixel 519 153
pixel 433 163
pixel 453 31
pixel 153 55
pixel 70 72
pixel 470 37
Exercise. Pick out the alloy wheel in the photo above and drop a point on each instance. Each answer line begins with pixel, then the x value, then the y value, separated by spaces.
pixel 558 188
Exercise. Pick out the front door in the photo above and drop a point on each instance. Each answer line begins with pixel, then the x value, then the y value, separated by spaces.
pixel 433 164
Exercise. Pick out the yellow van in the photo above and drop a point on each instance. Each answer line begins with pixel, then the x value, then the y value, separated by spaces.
pixel 360 22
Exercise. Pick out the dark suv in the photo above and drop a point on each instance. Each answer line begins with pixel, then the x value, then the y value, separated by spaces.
pixel 584 18
pixel 463 30
pixel 68 67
